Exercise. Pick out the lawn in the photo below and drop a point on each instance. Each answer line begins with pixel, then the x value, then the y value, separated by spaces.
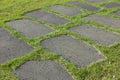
pixel 107 69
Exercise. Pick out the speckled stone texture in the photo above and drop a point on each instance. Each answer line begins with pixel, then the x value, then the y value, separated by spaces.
pixel 112 5
pixel 43 70
pixel 84 6
pixel 47 17
pixel 28 28
pixel 117 13
pixel 94 1
pixel 97 35
pixel 11 47
pixel 69 11
pixel 105 20
pixel 74 50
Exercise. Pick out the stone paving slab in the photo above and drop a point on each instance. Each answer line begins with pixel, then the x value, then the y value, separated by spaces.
pixel 105 20
pixel 29 28
pixel 117 13
pixel 112 5
pixel 94 1
pixel 85 6
pixel 43 70
pixel 65 10
pixel 97 35
pixel 76 51
pixel 47 17
pixel 11 47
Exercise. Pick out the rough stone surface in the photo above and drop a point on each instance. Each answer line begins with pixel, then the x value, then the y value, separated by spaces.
pixel 95 0
pixel 43 70
pixel 117 13
pixel 29 28
pixel 74 50
pixel 65 10
pixel 105 20
pixel 11 47
pixel 85 6
pixel 97 35
pixel 47 17
pixel 112 5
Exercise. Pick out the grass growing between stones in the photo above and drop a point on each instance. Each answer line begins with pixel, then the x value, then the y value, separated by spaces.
pixel 107 69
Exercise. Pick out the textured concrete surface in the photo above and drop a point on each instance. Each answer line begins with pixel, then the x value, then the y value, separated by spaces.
pixel 85 6
pixel 65 10
pixel 117 13
pixel 112 5
pixel 11 47
pixel 95 0
pixel 76 51
pixel 97 35
pixel 29 28
pixel 43 70
pixel 47 17
pixel 105 20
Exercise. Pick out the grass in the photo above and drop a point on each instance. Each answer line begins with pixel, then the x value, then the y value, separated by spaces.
pixel 108 69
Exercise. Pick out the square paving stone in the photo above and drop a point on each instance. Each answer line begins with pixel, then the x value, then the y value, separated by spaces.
pixel 76 51
pixel 65 10
pixel 117 13
pixel 97 35
pixel 105 20
pixel 85 6
pixel 29 28
pixel 47 17
pixel 112 5
pixel 11 47
pixel 95 1
pixel 43 70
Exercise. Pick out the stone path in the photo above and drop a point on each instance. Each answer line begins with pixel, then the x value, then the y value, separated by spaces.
pixel 105 20
pixel 43 70
pixel 47 17
pixel 11 47
pixel 112 5
pixel 65 10
pixel 117 13
pixel 29 28
pixel 94 1
pixel 85 6
pixel 74 50
pixel 97 35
